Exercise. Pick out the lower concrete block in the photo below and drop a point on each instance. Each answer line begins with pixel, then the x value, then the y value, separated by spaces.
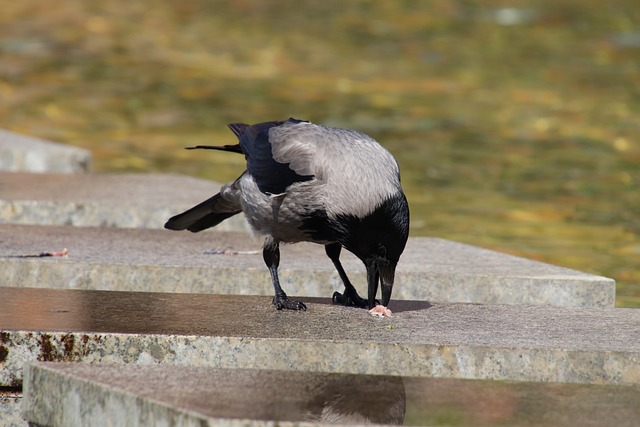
pixel 71 394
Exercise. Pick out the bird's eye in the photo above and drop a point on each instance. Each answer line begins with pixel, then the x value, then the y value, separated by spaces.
pixel 382 251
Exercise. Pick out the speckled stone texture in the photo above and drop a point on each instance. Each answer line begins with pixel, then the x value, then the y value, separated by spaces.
pixel 28 154
pixel 10 408
pixel 79 395
pixel 500 342
pixel 103 200
pixel 171 261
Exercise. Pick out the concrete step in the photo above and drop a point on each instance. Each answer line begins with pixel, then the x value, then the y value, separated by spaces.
pixel 169 261
pixel 81 395
pixel 95 200
pixel 29 154
pixel 465 341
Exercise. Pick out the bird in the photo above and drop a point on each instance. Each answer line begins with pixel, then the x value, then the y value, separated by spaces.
pixel 305 182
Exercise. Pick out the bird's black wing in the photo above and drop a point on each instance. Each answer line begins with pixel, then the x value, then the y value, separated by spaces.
pixel 205 215
pixel 270 175
pixel 237 128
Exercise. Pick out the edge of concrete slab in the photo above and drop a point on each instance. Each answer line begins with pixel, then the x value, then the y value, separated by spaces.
pixel 93 214
pixel 429 360
pixel 501 342
pixel 54 398
pixel 29 154
pixel 254 280
pixel 103 200
pixel 165 261
pixel 433 360
pixel 67 406
pixel 159 393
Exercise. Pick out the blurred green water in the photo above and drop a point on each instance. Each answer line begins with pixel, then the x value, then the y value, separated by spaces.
pixel 516 124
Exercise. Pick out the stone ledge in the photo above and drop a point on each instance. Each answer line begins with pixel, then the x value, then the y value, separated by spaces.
pixel 79 394
pixel 496 342
pixel 29 154
pixel 169 261
pixel 103 200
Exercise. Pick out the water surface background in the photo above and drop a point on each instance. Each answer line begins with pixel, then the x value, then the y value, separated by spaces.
pixel 516 123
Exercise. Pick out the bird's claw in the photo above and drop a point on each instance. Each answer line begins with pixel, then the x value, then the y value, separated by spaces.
pixel 350 299
pixel 284 303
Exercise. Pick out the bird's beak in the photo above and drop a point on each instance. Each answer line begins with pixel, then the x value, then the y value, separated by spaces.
pixel 385 273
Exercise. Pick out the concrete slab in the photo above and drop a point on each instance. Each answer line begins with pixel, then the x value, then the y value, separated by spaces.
pixel 497 342
pixel 103 200
pixel 171 261
pixel 29 154
pixel 72 394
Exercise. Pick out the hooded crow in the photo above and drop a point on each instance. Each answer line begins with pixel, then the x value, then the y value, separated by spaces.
pixel 306 182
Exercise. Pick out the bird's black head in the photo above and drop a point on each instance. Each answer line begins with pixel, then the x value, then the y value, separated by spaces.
pixel 378 240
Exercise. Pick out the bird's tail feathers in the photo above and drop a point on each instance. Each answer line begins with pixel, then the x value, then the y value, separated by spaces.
pixel 205 215
pixel 232 148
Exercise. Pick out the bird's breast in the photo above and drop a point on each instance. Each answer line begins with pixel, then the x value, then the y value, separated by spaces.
pixel 285 216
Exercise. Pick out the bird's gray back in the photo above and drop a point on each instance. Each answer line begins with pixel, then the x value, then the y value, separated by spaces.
pixel 353 172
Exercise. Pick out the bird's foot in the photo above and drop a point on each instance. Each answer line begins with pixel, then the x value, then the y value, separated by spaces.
pixel 350 299
pixel 282 302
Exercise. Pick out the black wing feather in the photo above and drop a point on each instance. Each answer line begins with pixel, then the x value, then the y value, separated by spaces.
pixel 231 148
pixel 237 128
pixel 271 176
pixel 204 215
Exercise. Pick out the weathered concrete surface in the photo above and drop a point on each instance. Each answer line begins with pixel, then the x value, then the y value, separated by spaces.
pixel 499 342
pixel 80 395
pixel 10 408
pixel 171 261
pixel 103 200
pixel 28 154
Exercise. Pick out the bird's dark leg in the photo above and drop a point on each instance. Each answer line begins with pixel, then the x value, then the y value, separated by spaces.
pixel 271 255
pixel 350 296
